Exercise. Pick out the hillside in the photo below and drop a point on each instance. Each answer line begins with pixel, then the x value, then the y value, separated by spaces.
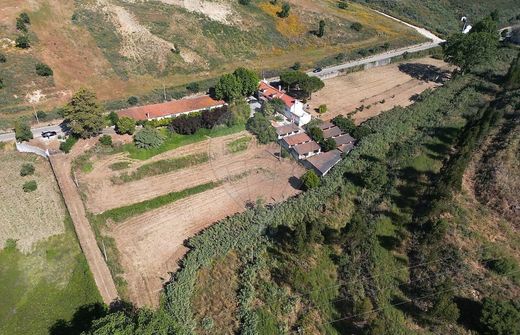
pixel 121 48
pixel 443 16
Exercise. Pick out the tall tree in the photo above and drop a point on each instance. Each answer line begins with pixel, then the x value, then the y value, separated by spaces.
pixel 311 85
pixel 84 115
pixel 228 88
pixel 468 51
pixel 248 79
pixel 22 131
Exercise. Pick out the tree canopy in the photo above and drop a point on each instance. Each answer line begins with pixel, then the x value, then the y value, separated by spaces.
pixel 477 47
pixel 84 115
pixel 248 80
pixel 22 131
pixel 501 317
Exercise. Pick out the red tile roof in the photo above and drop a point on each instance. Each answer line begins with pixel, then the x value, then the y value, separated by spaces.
pixel 269 92
pixel 297 139
pixel 170 108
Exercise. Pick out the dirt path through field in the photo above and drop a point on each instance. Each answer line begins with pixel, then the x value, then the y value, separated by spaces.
pixel 151 244
pixel 61 166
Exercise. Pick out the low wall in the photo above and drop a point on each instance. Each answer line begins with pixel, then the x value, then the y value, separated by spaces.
pixel 24 147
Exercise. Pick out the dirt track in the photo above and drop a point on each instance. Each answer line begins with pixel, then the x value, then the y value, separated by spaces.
pixel 151 244
pixel 379 89
pixel 61 166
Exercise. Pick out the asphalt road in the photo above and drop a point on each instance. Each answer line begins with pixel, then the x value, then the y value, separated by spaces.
pixel 37 132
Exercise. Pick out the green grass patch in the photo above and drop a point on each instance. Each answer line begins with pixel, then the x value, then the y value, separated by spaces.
pixel 125 212
pixel 239 144
pixel 174 141
pixel 161 167
pixel 45 286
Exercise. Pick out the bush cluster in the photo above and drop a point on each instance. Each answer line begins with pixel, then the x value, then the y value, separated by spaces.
pixel 189 124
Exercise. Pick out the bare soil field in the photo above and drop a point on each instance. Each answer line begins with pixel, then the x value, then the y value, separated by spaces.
pixel 151 244
pixel 28 217
pixel 379 89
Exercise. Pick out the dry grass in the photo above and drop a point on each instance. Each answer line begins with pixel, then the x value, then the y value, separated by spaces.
pixel 28 217
pixel 217 284
pixel 290 26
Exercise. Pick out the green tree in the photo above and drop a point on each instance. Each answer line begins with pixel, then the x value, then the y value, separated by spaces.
pixel 316 134
pixel 500 317
pixel 113 118
pixel 321 29
pixel 248 80
pixel 262 128
pixel 20 25
pixel 22 131
pixel 133 100
pixel 310 180
pixel 25 18
pixel 344 123
pixel 22 42
pixel 477 47
pixel 328 144
pixel 228 88
pixel 148 138
pixel 125 125
pixel 286 8
pixel 84 115
pixel 375 176
pixel 444 308
pixel 312 84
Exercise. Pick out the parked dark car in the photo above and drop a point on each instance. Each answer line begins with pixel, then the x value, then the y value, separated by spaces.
pixel 49 134
pixel 318 69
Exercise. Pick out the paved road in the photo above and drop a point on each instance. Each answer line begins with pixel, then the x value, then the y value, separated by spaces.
pixel 37 132
pixel 61 166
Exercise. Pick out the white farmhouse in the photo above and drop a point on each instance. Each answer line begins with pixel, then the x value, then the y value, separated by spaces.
pixel 294 109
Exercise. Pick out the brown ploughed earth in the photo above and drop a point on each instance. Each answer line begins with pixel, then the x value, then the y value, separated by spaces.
pixel 151 244
pixel 379 89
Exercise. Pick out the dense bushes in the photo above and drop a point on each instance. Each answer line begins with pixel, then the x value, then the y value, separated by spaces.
pixel 30 186
pixel 500 317
pixel 27 169
pixel 68 144
pixel 43 70
pixel 22 131
pixel 148 138
pixel 189 124
pixel 262 128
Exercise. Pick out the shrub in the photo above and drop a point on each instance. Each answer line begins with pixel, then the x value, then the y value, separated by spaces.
pixel 189 124
pixel 148 138
pixel 25 18
pixel 286 8
pixel 310 180
pixel 22 131
pixel 68 144
pixel 133 100
pixel 22 42
pixel 43 70
pixel 244 2
pixel 328 144
pixel 503 266
pixel 106 140
pixel 261 127
pixel 113 118
pixel 41 115
pixel 1 83
pixel 193 87
pixel 344 123
pixel 3 59
pixel 125 125
pixel 500 317
pixel 30 186
pixel 342 4
pixel 356 26
pixel 322 109
pixel 27 169
pixel 20 25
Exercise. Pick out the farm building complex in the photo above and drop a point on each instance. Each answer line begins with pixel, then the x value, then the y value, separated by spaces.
pixel 171 108
pixel 294 109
